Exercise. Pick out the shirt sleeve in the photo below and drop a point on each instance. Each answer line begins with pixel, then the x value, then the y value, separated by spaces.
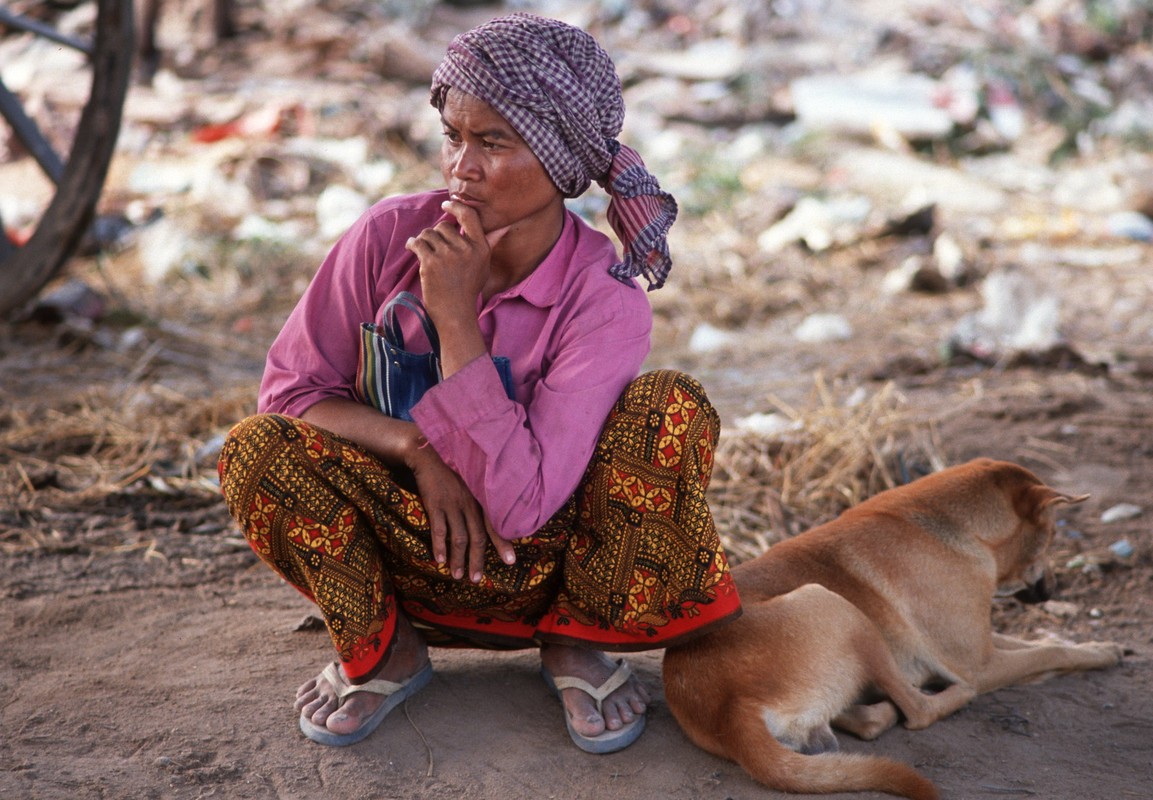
pixel 316 352
pixel 523 462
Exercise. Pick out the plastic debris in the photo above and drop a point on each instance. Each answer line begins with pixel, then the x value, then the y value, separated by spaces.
pixel 1122 548
pixel 768 425
pixel 709 60
pixel 73 300
pixel 949 258
pixel 337 208
pixel 909 104
pixel 1017 317
pixel 708 338
pixel 262 122
pixel 818 224
pixel 1121 512
pixel 166 249
pixel 821 327
pixel 1005 112
pixel 257 228
pixel 1131 225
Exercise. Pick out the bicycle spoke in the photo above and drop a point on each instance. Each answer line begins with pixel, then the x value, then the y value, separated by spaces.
pixel 78 175
pixel 10 20
pixel 28 132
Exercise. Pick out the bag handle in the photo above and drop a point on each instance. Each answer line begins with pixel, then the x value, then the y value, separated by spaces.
pixel 391 324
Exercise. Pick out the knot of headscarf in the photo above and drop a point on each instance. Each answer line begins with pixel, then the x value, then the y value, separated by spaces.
pixel 558 88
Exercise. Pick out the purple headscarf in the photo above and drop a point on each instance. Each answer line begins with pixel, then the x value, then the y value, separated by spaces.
pixel 559 90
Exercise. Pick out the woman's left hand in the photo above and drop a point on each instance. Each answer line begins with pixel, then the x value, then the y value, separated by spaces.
pixel 460 530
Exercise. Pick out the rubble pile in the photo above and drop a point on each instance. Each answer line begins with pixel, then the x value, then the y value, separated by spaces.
pixel 934 143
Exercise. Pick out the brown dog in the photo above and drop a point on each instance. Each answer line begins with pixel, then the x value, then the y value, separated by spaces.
pixel 851 621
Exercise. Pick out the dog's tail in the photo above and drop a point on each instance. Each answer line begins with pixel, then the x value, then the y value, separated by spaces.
pixel 778 767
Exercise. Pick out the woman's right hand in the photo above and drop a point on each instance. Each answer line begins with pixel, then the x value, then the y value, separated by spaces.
pixel 454 259
pixel 460 530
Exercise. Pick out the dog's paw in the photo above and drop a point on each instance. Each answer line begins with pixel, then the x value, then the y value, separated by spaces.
pixel 1108 653
pixel 867 721
pixel 1112 650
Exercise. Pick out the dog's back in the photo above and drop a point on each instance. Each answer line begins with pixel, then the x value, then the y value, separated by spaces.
pixel 862 548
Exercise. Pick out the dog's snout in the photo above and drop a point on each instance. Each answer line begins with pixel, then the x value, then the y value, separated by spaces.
pixel 1037 592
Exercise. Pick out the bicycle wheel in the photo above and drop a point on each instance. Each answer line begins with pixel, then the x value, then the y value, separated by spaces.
pixel 74 180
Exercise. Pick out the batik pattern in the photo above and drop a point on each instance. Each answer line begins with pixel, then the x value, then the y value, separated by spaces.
pixel 631 562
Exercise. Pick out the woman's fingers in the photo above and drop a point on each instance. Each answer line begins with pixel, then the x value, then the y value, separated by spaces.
pixel 459 547
pixel 470 227
pixel 438 530
pixel 430 241
pixel 504 547
pixel 466 218
pixel 477 542
pixel 470 537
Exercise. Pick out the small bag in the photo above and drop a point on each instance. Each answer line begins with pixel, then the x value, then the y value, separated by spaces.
pixel 392 379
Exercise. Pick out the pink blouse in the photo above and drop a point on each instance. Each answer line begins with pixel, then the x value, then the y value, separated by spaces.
pixel 575 337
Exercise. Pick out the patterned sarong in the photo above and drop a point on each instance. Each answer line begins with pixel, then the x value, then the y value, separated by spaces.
pixel 631 562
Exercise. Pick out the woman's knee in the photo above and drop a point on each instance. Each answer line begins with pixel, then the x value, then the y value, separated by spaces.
pixel 242 450
pixel 664 390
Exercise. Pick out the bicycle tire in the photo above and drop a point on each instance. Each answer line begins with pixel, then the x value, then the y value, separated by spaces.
pixel 28 268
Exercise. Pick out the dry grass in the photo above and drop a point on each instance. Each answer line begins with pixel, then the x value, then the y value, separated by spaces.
pixel 97 424
pixel 73 464
pixel 97 443
pixel 834 454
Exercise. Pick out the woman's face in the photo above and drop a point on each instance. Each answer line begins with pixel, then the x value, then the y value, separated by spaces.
pixel 489 167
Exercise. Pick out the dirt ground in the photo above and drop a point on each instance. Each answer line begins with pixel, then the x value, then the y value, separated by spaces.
pixel 146 654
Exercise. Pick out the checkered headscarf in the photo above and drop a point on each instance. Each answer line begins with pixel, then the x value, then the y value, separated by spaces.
pixel 559 90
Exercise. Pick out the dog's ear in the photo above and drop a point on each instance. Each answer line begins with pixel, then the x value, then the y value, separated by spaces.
pixel 1033 501
pixel 1056 497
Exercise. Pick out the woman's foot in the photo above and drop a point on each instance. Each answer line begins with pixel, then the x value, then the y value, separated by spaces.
pixel 622 707
pixel 317 701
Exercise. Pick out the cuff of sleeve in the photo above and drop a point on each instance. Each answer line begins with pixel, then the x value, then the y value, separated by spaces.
pixel 467 396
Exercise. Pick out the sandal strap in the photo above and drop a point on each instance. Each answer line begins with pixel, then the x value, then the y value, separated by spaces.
pixel 618 679
pixel 335 676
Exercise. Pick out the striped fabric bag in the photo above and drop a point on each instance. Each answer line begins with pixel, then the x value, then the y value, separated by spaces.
pixel 392 379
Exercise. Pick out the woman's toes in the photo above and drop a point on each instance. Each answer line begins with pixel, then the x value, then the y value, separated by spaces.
pixel 304 700
pixel 624 712
pixel 617 716
pixel 318 710
pixel 643 696
pixel 638 706
pixel 342 722
pixel 583 713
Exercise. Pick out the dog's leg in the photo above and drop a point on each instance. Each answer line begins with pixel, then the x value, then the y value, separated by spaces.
pixel 939 705
pixel 821 739
pixel 919 708
pixel 1003 642
pixel 867 721
pixel 1032 662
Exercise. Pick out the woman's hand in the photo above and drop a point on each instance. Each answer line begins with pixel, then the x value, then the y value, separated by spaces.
pixel 460 530
pixel 459 526
pixel 454 260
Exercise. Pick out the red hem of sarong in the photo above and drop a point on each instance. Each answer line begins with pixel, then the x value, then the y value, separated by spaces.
pixel 470 630
pixel 704 617
pixel 667 638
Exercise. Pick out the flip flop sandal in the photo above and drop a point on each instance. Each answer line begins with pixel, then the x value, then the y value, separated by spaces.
pixel 609 741
pixel 396 693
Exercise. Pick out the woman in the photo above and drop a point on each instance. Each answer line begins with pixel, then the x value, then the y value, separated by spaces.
pixel 570 517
